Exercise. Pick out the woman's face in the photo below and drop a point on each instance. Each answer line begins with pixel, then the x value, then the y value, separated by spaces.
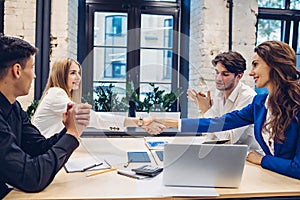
pixel 74 77
pixel 260 72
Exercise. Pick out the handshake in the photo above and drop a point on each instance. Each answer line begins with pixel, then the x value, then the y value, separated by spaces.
pixel 77 117
pixel 155 126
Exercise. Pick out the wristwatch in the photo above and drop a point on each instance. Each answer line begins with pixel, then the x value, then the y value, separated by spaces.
pixel 140 122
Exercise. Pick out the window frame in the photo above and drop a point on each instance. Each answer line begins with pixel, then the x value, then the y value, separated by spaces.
pixel 286 14
pixel 132 8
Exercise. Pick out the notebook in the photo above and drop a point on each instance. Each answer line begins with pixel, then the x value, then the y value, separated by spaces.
pixel 207 165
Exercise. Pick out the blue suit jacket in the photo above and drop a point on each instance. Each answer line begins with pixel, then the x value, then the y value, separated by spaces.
pixel 286 159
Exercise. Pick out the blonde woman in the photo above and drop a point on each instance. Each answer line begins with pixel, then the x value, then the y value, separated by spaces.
pixel 64 86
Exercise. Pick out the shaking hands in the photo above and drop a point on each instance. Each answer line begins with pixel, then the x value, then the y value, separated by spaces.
pixel 155 126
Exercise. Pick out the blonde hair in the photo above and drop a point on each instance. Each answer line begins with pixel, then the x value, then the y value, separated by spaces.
pixel 58 78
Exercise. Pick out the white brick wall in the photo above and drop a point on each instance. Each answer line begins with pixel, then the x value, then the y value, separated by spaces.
pixel 244 32
pixel 64 28
pixel 19 21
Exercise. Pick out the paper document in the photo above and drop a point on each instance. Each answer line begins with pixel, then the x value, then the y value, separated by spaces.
pixel 82 164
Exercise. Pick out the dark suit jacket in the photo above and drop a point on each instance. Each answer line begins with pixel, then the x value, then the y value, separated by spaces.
pixel 29 162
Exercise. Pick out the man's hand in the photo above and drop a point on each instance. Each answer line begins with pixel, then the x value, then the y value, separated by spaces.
pixel 76 118
pixel 200 99
pixel 153 127
pixel 254 157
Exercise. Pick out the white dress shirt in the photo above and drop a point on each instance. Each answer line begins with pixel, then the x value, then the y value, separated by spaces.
pixel 48 116
pixel 240 97
pixel 266 134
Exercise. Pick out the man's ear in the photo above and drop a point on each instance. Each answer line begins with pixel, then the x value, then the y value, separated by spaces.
pixel 16 70
pixel 239 76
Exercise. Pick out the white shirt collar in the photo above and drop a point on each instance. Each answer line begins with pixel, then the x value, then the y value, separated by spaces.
pixel 266 102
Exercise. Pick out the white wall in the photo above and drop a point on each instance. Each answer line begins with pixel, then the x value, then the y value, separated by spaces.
pixel 19 21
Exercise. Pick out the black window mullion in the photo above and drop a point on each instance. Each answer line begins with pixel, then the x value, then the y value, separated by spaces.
pixel 1 16
pixel 175 57
pixel 287 4
pixel 133 51
pixel 286 31
pixel 295 35
pixel 87 62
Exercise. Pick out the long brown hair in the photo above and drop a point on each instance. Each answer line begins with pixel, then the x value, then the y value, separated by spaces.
pixel 58 78
pixel 284 99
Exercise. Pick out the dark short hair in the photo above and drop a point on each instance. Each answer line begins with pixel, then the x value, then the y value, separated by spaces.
pixel 233 61
pixel 14 50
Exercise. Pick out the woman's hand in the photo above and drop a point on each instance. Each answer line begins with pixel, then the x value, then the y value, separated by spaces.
pixel 254 157
pixel 153 127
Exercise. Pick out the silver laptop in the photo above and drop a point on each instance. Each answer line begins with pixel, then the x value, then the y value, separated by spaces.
pixel 207 165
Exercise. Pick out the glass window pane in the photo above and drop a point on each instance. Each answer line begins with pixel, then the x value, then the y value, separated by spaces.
pixel 271 3
pixel 114 103
pixel 268 30
pixel 156 65
pixel 146 87
pixel 110 29
pixel 157 31
pixel 155 69
pixel 295 4
pixel 109 64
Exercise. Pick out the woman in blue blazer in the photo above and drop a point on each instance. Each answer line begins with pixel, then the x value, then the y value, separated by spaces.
pixel 276 116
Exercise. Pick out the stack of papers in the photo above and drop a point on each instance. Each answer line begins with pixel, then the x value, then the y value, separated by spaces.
pixel 85 164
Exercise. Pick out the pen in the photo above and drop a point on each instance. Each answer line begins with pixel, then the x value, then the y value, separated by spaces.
pixel 128 174
pixel 101 172
pixel 132 174
pixel 90 167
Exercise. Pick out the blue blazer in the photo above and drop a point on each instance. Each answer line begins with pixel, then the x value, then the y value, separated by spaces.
pixel 286 159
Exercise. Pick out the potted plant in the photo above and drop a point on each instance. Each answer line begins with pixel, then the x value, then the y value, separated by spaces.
pixel 32 108
pixel 156 100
